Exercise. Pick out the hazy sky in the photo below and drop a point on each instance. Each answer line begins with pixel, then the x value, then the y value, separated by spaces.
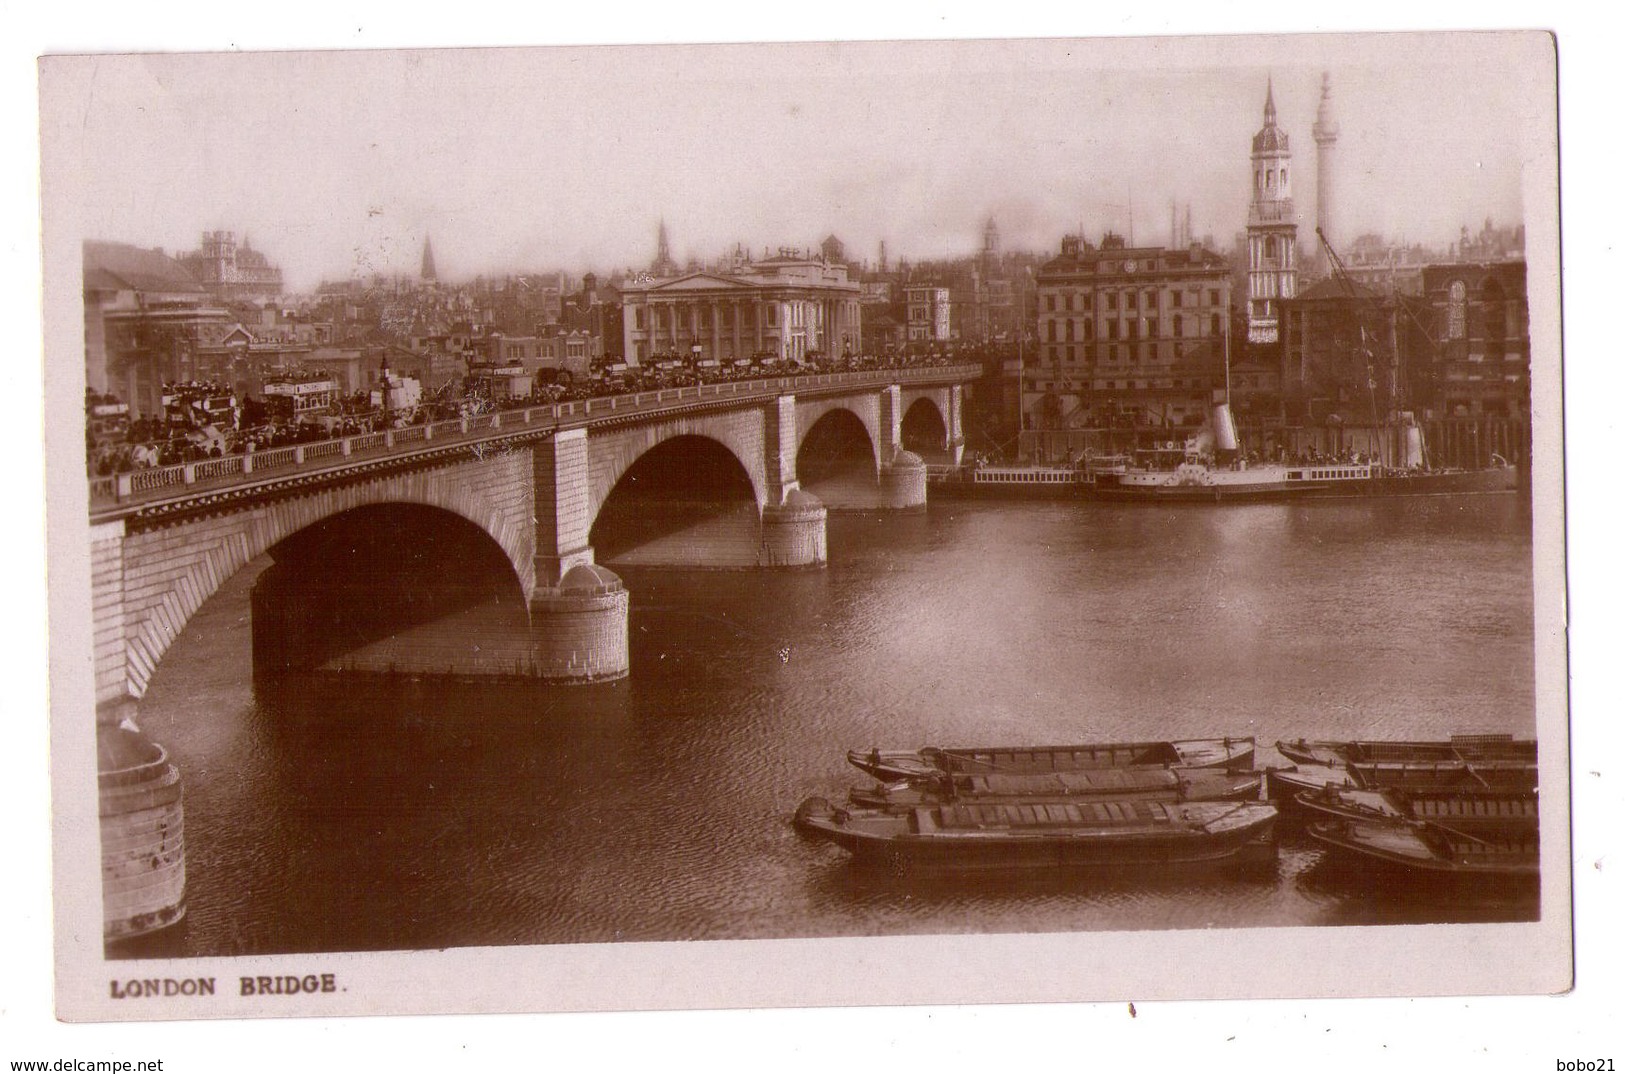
pixel 339 162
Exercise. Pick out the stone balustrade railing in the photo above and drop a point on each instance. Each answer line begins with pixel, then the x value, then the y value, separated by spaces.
pixel 159 482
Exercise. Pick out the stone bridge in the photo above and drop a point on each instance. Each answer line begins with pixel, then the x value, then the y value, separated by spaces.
pixel 535 483
pixel 365 528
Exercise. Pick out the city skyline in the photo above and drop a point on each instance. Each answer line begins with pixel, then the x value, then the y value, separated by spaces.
pixel 541 159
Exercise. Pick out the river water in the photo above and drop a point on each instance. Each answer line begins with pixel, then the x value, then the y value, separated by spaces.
pixel 365 814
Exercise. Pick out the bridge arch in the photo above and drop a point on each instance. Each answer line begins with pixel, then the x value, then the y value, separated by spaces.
pixel 371 572
pixel 170 570
pixel 811 413
pixel 612 454
pixel 924 428
pixel 692 485
pixel 838 444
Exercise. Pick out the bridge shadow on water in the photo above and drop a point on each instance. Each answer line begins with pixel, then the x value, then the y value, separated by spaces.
pixel 362 581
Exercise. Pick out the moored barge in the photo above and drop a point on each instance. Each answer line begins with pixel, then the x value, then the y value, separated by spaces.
pixel 1146 784
pixel 1461 748
pixel 1463 810
pixel 931 762
pixel 962 836
pixel 1434 849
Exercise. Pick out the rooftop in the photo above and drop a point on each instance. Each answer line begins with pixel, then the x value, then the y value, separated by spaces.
pixel 120 267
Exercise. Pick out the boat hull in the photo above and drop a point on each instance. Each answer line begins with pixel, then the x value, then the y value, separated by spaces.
pixel 1481 812
pixel 1276 483
pixel 1231 754
pixel 1424 849
pixel 1283 785
pixel 1121 835
pixel 1459 748
pixel 1010 483
pixel 1119 784
pixel 1232 492
pixel 1443 483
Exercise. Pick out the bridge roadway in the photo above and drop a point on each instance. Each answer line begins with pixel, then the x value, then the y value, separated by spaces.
pixel 533 480
pixel 122 495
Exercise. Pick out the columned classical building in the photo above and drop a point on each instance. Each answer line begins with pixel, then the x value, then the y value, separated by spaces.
pixel 786 307
pixel 1127 336
pixel 1272 230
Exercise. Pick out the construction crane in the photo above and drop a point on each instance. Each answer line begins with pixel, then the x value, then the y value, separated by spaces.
pixel 1367 345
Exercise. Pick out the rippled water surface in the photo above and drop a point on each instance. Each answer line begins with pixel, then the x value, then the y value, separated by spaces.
pixel 368 815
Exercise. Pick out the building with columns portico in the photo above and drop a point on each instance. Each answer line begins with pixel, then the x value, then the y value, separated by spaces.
pixel 786 306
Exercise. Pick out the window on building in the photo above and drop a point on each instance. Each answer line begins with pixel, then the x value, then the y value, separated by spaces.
pixel 1070 330
pixel 1213 296
pixel 1133 299
pixel 1456 311
pixel 1150 300
pixel 1111 300
pixel 1215 326
pixel 1179 299
pixel 1069 301
pixel 1051 299
pixel 1179 327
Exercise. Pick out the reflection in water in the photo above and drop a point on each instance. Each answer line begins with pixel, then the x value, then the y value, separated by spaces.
pixel 372 813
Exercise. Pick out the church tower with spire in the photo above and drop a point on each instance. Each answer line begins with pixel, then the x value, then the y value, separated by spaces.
pixel 1325 131
pixel 1272 229
pixel 427 272
pixel 663 264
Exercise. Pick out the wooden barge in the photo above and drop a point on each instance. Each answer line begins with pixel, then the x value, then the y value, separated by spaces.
pixel 973 836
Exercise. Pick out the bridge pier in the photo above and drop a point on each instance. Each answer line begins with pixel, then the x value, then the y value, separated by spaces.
pixel 902 483
pixel 902 472
pixel 580 627
pixel 579 618
pixel 141 826
pixel 794 533
pixel 956 426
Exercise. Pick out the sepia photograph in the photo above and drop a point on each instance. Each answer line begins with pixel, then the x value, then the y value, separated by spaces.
pixel 805 524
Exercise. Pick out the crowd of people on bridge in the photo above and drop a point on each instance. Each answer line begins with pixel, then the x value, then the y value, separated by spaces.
pixel 204 420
